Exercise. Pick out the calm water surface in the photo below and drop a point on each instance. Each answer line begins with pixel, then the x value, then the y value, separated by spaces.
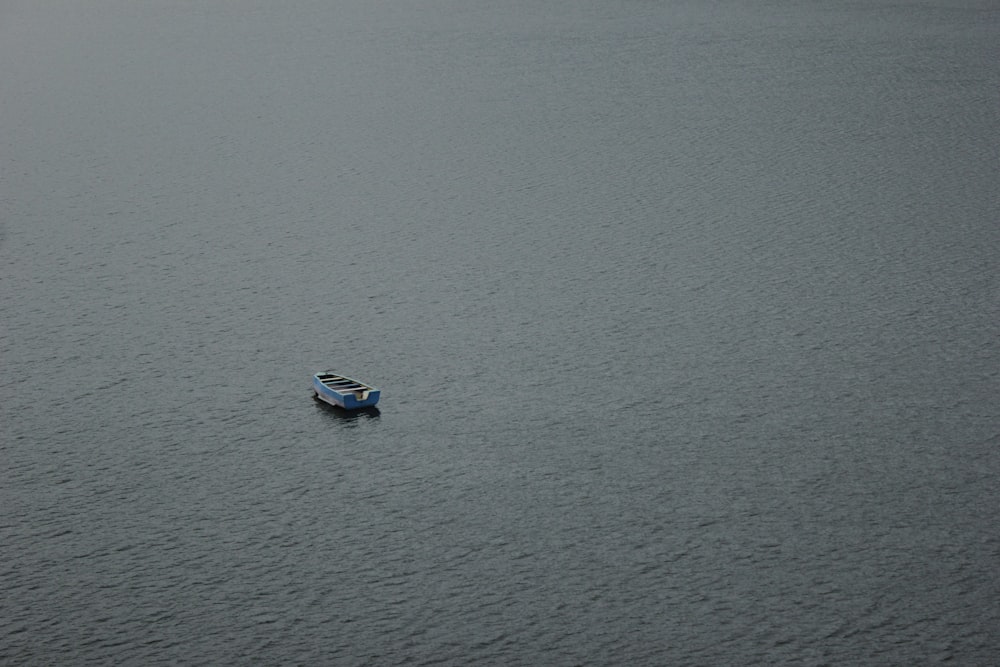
pixel 685 316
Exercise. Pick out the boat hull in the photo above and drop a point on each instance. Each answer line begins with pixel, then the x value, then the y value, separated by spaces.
pixel 365 397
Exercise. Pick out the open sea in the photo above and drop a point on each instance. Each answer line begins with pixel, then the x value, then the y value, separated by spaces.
pixel 686 316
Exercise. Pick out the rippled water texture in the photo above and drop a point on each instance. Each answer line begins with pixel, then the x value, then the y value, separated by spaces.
pixel 684 314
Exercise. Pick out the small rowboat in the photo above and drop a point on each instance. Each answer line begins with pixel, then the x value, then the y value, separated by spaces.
pixel 343 392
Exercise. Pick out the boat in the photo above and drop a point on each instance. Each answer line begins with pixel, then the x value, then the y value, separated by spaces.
pixel 343 392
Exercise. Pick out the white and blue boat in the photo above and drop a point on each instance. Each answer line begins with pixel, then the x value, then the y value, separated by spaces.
pixel 344 392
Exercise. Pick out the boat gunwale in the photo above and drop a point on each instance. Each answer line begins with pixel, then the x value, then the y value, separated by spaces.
pixel 330 376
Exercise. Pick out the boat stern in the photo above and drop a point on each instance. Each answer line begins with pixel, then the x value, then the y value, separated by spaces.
pixel 361 399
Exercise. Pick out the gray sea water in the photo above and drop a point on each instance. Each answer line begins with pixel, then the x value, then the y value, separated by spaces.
pixel 685 316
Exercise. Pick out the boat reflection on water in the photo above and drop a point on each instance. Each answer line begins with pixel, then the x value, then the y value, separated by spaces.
pixel 340 414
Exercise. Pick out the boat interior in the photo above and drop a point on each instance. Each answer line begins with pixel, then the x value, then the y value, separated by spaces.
pixel 338 383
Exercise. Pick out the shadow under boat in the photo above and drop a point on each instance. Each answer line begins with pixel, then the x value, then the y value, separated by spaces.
pixel 341 414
